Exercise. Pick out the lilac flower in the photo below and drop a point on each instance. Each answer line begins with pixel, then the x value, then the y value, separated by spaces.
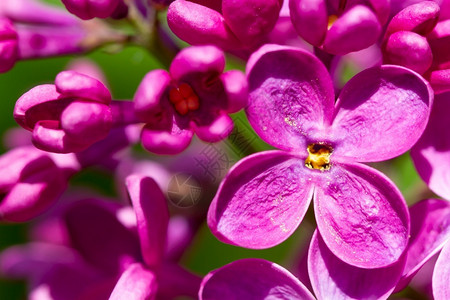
pixel 360 214
pixel 415 39
pixel 227 24
pixel 68 116
pixel 8 45
pixel 30 183
pixel 194 96
pixel 106 249
pixel 252 279
pixel 88 9
pixel 339 27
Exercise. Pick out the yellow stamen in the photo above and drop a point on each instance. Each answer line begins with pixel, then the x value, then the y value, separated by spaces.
pixel 318 157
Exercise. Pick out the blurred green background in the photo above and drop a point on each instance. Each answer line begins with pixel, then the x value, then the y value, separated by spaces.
pixel 124 71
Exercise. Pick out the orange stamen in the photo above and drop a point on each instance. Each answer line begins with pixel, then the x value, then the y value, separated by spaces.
pixel 184 99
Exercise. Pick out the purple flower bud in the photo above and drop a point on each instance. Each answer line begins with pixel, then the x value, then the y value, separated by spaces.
pixel 8 45
pixel 228 24
pixel 68 116
pixel 194 96
pixel 88 9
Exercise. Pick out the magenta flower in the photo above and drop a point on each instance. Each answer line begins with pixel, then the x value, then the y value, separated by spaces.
pixel 252 279
pixel 102 249
pixel 31 182
pixel 68 116
pixel 415 39
pixel 194 96
pixel 88 9
pixel 360 214
pixel 339 27
pixel 227 24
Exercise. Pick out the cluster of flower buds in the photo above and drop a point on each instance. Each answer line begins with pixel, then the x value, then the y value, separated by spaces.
pixel 280 122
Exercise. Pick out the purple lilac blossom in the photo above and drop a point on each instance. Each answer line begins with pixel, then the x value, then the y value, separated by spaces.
pixel 252 279
pixel 339 27
pixel 227 24
pixel 68 116
pixel 194 96
pixel 360 214
pixel 415 39
pixel 106 249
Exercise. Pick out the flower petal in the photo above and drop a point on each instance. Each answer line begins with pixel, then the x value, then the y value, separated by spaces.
pixel 356 29
pixel 431 154
pixel 441 275
pixel 152 214
pixel 172 140
pixel 361 216
pixel 430 230
pixel 252 279
pixel 99 236
pixel 291 96
pixel 137 283
pixel 48 136
pixel 74 84
pixel 197 60
pixel 332 278
pixel 381 112
pixel 236 88
pixel 261 201
pixel 440 81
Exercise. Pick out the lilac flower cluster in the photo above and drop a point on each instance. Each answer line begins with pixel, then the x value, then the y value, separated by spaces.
pixel 333 92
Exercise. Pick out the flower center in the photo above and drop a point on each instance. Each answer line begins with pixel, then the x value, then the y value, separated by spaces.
pixel 318 156
pixel 184 99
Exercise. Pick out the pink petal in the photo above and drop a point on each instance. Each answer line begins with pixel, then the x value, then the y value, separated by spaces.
pixel 356 29
pixel 310 19
pixel 48 137
pixel 431 154
pixel 332 278
pixel 73 84
pixel 137 283
pixel 149 94
pixel 252 279
pixel 381 112
pixel 172 140
pixel 199 59
pixel 236 88
pixel 291 102
pixel 218 130
pixel 261 201
pixel 361 216
pixel 440 81
pixel 152 214
pixel 441 275
pixel 430 230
